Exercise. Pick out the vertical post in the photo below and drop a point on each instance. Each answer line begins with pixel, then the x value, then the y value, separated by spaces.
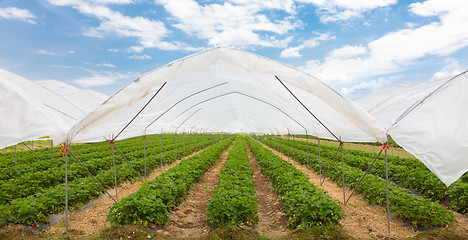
pixel 307 140
pixel 144 152
pixel 294 150
pixel 289 146
pixel 342 172
pixel 183 141
pixel 15 156
pixel 32 145
pixel 161 153
pixel 115 173
pixel 191 142
pixel 66 192
pixel 388 203
pixel 320 161
pixel 175 139
pixel 51 149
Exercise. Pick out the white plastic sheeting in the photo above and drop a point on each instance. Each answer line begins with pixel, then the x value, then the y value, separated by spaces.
pixel 30 110
pixel 24 118
pixel 388 104
pixel 429 120
pixel 227 90
pixel 83 100
pixel 436 130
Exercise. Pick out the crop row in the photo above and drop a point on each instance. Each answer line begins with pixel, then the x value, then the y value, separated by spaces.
pixel 409 173
pixel 306 204
pixel 152 204
pixel 417 210
pixel 234 203
pixel 36 182
pixel 36 208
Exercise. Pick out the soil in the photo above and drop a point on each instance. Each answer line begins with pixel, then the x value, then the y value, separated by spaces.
pixel 91 220
pixel 272 222
pixel 188 221
pixel 363 221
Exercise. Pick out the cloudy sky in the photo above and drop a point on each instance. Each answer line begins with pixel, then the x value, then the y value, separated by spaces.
pixel 355 46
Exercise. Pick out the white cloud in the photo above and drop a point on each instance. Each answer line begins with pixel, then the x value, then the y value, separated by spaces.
pixel 103 78
pixel 140 57
pixel 45 52
pixel 234 23
pixel 313 42
pixel 49 53
pixel 397 51
pixel 341 10
pixel 109 65
pixel 150 33
pixel 113 50
pixel 17 13
pixel 451 68
pixel 363 88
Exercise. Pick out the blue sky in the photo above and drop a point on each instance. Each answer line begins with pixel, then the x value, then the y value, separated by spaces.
pixel 355 46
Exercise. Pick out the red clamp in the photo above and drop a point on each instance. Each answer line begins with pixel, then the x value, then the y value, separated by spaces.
pixel 385 146
pixel 63 150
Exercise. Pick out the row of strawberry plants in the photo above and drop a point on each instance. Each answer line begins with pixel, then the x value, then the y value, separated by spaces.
pixel 33 174
pixel 152 204
pixel 234 203
pixel 404 172
pixel 417 210
pixel 36 208
pixel 39 181
pixel 306 204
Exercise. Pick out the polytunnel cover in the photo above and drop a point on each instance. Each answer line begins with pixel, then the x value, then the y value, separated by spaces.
pixel 435 129
pixel 227 90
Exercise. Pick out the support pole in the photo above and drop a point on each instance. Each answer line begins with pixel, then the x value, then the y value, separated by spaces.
pixel 15 156
pixel 388 202
pixel 32 150
pixel 66 192
pixel 115 173
pixel 342 173
pixel 320 160
pixel 307 142
pixel 144 152
pixel 51 149
pixel 362 178
pixel 175 139
pixel 183 141
pixel 294 150
pixel 73 155
pixel 129 164
pixel 289 146
pixel 333 160
pixel 161 153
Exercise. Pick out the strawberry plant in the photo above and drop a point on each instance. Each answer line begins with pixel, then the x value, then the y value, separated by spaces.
pixel 154 201
pixel 405 205
pixel 306 204
pixel 234 203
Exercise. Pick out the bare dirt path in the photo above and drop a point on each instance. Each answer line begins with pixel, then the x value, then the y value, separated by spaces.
pixel 363 221
pixel 188 221
pixel 90 221
pixel 272 222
